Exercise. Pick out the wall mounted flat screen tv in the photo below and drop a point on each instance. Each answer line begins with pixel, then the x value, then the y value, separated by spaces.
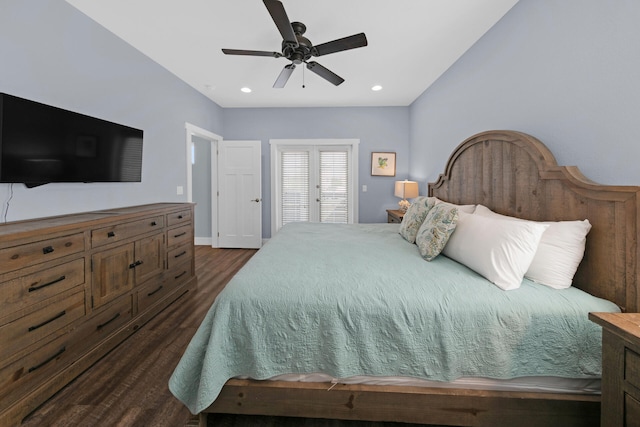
pixel 41 144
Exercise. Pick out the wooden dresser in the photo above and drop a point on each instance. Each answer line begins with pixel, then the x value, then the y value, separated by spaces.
pixel 73 287
pixel 620 368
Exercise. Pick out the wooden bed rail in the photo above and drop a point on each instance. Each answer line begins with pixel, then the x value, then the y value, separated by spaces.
pixel 440 406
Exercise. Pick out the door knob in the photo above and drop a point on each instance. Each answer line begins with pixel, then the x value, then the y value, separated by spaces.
pixel 256 200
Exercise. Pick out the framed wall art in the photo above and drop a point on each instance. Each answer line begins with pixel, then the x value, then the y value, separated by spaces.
pixel 383 164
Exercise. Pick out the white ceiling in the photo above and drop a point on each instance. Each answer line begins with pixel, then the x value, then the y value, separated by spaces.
pixel 410 44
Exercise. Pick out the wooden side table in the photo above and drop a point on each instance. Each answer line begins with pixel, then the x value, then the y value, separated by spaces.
pixel 394 216
pixel 620 368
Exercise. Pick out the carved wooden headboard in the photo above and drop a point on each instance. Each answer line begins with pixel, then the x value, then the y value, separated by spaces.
pixel 515 174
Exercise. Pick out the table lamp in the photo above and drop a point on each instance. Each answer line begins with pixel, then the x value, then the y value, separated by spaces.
pixel 406 190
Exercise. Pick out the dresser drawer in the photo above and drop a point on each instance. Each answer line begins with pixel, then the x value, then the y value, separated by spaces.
pixel 152 292
pixel 118 232
pixel 179 274
pixel 104 322
pixel 23 292
pixel 179 235
pixel 178 255
pixel 632 368
pixel 179 217
pixel 22 256
pixel 26 330
pixel 394 216
pixel 631 411
pixel 23 375
pixel 393 220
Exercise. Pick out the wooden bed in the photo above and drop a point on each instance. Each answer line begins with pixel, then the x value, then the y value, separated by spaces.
pixel 514 174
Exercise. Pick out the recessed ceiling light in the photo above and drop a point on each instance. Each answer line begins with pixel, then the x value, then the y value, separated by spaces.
pixel 376 88
pixel 246 90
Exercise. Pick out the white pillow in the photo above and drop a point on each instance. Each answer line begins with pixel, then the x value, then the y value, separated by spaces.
pixel 560 251
pixel 500 250
pixel 463 208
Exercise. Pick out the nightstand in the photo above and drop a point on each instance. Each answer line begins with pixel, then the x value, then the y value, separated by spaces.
pixel 394 216
pixel 620 368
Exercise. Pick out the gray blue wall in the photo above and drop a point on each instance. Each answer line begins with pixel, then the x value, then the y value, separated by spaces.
pixel 566 72
pixel 52 53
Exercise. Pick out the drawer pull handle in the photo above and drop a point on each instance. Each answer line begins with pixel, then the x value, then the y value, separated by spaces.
pixel 181 234
pixel 153 223
pixel 135 264
pixel 180 217
pixel 53 282
pixel 40 365
pixel 111 234
pixel 180 275
pixel 47 250
pixel 180 254
pixel 57 316
pixel 102 325
pixel 156 291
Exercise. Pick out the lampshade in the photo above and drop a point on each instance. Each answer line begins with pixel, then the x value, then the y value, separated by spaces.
pixel 406 189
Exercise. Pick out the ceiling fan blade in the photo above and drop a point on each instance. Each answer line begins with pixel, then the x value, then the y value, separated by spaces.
pixel 346 43
pixel 325 73
pixel 280 18
pixel 284 76
pixel 251 52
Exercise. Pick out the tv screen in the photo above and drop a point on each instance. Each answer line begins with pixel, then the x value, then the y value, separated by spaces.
pixel 40 144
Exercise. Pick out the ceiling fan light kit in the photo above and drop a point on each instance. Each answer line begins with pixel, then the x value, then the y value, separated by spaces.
pixel 298 49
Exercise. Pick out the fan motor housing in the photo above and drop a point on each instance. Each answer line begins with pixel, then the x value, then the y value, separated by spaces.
pixel 302 52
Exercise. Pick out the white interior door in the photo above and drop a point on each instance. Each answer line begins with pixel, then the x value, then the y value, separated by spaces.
pixel 240 194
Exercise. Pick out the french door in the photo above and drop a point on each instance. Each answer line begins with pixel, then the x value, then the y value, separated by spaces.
pixel 313 180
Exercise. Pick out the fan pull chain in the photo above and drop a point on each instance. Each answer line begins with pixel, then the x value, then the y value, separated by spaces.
pixel 303 86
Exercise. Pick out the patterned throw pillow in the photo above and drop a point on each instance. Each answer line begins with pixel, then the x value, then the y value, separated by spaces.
pixel 414 217
pixel 436 230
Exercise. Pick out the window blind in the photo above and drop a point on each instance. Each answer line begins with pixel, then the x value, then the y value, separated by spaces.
pixel 334 185
pixel 294 186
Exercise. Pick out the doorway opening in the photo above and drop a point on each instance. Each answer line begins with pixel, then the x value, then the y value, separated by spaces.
pixel 202 182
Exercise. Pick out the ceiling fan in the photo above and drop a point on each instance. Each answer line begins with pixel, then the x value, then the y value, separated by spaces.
pixel 298 49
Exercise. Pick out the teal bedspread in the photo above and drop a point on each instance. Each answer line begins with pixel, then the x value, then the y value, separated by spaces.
pixel 359 300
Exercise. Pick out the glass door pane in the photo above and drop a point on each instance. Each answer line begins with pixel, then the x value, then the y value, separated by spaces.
pixel 294 186
pixel 334 186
